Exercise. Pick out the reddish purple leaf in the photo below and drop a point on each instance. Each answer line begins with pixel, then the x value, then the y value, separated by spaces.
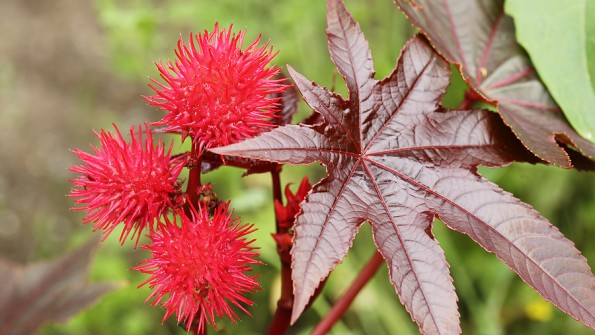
pixel 480 39
pixel 210 162
pixel 397 159
pixel 289 103
pixel 48 291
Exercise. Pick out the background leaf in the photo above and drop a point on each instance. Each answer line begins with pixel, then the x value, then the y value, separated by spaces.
pixel 47 291
pixel 559 37
pixel 478 37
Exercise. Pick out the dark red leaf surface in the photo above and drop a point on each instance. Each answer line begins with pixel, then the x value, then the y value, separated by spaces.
pixel 480 39
pixel 289 104
pixel 397 159
pixel 48 291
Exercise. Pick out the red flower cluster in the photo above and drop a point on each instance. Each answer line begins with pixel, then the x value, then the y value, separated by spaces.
pixel 217 93
pixel 286 219
pixel 133 183
pixel 286 214
pixel 201 264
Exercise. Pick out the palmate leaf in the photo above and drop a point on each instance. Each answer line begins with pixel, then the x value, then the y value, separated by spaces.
pixel 397 159
pixel 480 39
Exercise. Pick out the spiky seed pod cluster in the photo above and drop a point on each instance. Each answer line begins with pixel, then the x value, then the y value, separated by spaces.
pixel 132 183
pixel 216 93
pixel 199 266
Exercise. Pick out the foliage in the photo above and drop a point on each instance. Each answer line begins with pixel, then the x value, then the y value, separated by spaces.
pixel 52 290
pixel 491 301
pixel 396 159
pixel 498 72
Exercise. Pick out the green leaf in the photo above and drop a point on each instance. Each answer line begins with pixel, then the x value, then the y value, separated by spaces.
pixel 559 35
pixel 590 40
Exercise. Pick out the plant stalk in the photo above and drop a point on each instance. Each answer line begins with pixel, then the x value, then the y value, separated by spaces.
pixel 194 183
pixel 282 317
pixel 341 305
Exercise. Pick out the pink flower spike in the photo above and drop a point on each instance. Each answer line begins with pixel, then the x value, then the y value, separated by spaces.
pixel 201 266
pixel 216 92
pixel 133 183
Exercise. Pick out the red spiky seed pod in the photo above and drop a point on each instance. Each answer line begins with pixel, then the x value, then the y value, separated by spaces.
pixel 198 268
pixel 217 93
pixel 132 183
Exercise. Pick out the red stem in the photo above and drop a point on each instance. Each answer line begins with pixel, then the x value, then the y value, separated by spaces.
pixel 192 192
pixel 282 317
pixel 341 305
pixel 194 184
pixel 277 194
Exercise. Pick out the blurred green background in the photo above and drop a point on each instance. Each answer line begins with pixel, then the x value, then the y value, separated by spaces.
pixel 68 66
